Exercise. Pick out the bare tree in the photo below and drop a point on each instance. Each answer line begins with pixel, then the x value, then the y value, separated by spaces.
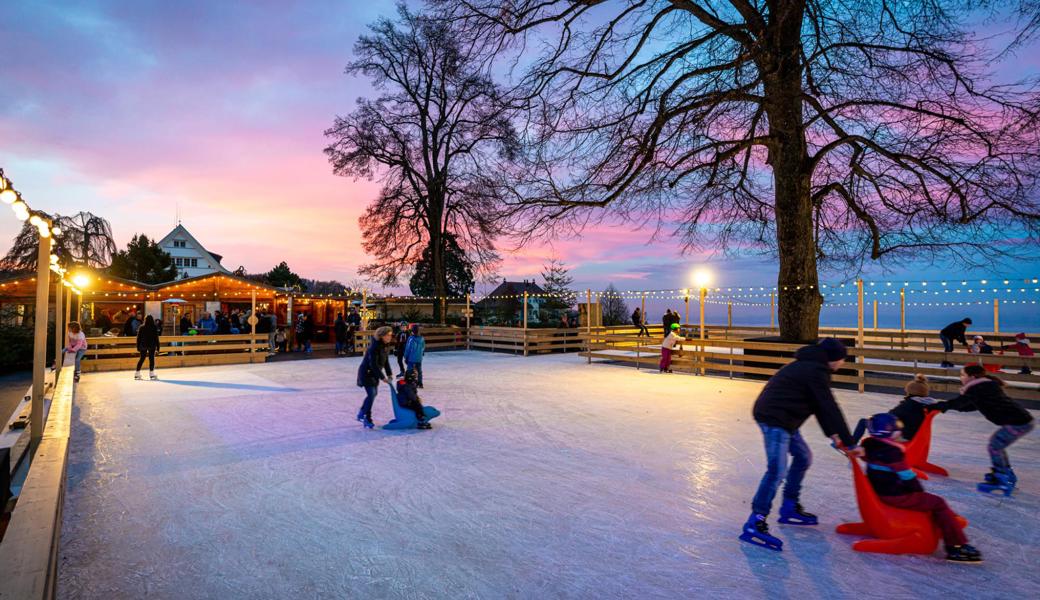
pixel 432 137
pixel 86 240
pixel 824 131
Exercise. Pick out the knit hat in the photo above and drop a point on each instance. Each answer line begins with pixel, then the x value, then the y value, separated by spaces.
pixel 1021 338
pixel 675 326
pixel 883 425
pixel 834 349
pixel 918 386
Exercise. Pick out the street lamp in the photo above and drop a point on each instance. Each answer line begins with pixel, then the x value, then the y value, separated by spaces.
pixel 701 278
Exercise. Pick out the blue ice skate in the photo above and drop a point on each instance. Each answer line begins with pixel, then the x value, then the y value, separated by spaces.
pixel 792 513
pixel 999 481
pixel 404 418
pixel 756 532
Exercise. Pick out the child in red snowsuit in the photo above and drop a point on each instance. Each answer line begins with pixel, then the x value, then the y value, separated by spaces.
pixel 897 485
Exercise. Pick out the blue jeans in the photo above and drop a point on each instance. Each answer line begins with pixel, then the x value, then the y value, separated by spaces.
pixel 370 398
pixel 79 357
pixel 1004 437
pixel 418 369
pixel 779 443
pixel 947 343
pixel 339 346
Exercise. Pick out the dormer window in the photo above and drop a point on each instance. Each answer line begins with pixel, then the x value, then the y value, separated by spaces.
pixel 180 244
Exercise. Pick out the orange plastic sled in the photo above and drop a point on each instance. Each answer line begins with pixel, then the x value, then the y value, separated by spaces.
pixel 916 450
pixel 893 530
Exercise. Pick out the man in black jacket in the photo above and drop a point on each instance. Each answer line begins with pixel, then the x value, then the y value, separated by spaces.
pixel 951 333
pixel 799 390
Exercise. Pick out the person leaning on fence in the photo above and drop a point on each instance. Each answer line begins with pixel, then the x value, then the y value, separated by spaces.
pixel 954 332
pixel 639 323
pixel 76 344
pixel 147 346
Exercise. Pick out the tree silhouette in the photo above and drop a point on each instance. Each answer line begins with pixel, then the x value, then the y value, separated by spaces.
pixel 143 261
pixel 431 137
pixel 557 285
pixel 282 276
pixel 826 132
pixel 458 271
pixel 86 240
pixel 613 307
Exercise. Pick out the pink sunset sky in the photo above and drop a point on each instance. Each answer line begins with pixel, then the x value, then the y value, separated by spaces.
pixel 138 110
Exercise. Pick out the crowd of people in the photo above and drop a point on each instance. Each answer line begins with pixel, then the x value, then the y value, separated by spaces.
pixel 801 389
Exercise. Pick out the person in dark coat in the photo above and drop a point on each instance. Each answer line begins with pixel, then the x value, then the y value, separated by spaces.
pixel 915 406
pixel 223 324
pixel 408 397
pixel 639 322
pixel 370 372
pixel 339 328
pixel 954 332
pixel 400 342
pixel 896 485
pixel 797 391
pixel 147 346
pixel 307 333
pixel 131 325
pixel 985 393
pixel 353 320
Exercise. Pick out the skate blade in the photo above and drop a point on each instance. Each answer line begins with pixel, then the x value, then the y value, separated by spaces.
pixel 796 521
pixel 755 541
pixel 990 489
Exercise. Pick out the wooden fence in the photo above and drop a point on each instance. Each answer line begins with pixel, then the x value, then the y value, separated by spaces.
pixel 867 366
pixel 120 353
pixel 526 341
pixel 437 338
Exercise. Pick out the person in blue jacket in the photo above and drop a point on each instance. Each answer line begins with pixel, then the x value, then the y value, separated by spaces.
pixel 370 372
pixel 414 350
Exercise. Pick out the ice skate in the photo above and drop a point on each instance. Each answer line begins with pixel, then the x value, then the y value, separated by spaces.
pixel 75 377
pixel 137 375
pixel 964 553
pixel 153 376
pixel 423 425
pixel 792 513
pixel 998 481
pixel 756 532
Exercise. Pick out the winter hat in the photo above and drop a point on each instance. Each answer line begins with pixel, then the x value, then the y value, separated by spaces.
pixel 918 386
pixel 834 349
pixel 675 326
pixel 1021 338
pixel 411 376
pixel 415 328
pixel 883 425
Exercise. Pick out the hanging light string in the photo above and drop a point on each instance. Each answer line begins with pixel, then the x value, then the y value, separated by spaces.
pixel 13 198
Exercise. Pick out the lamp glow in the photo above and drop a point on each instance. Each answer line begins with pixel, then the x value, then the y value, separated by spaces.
pixel 21 210
pixel 56 230
pixel 702 278
pixel 81 280
pixel 35 221
pixel 8 196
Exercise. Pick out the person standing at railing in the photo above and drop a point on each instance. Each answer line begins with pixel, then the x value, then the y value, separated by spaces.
pixel 639 322
pixel 147 346
pixel 76 344
pixel 797 391
pixel 668 347
pixel 954 332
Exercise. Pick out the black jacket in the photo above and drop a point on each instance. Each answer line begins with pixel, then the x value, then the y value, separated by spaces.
pixel 376 359
pixel 129 325
pixel 989 399
pixel 354 319
pixel 911 413
pixel 341 329
pixel 186 325
pixel 637 318
pixel 407 395
pixel 147 338
pixel 955 331
pixel 800 390
pixel 891 460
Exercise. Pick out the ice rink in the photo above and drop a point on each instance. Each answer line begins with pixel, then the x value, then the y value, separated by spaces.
pixel 544 478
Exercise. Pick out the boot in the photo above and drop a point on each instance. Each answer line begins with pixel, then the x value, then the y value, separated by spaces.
pixel 963 553
pixel 792 513
pixel 137 375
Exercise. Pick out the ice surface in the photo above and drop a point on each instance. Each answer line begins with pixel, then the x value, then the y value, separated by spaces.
pixel 544 478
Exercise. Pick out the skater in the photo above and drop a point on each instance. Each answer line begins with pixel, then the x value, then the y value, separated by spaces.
pixel 985 393
pixel 668 348
pixel 370 372
pixel 640 323
pixel 910 412
pixel 147 346
pixel 76 344
pixel 414 350
pixel 1021 346
pixel 951 333
pixel 794 393
pixel 400 342
pixel 897 485
pixel 340 329
pixel 408 396
pixel 667 320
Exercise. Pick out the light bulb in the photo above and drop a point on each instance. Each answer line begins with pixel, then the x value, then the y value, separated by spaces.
pixel 8 196
pixel 35 221
pixel 56 230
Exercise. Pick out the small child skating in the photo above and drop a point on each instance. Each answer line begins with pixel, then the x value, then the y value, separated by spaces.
pixel 76 344
pixel 408 397
pixel 896 485
pixel 414 350
pixel 985 393
pixel 668 348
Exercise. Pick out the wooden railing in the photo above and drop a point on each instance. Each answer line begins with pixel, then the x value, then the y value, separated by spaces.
pixel 119 353
pixel 29 550
pixel 525 341
pixel 867 366
pixel 437 338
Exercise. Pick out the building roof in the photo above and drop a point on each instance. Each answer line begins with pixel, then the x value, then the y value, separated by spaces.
pixel 180 229
pixel 512 288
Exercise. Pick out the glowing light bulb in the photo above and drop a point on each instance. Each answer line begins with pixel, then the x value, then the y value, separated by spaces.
pixel 8 196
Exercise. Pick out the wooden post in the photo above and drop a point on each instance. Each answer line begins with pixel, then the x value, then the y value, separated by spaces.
pixel 525 322
pixel 902 310
pixel 290 323
pixel 43 258
pixel 875 315
pixel 729 315
pixel 772 310
pixel 859 331
pixel 59 294
pixel 468 309
pixel 252 325
pixel 704 296
pixel 642 309
pixel 364 310
pixel 996 315
pixel 588 325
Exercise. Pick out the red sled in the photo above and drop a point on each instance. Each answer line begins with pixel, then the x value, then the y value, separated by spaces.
pixel 916 450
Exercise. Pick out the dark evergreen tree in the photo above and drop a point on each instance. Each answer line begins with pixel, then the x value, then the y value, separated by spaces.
pixel 144 261
pixel 457 267
pixel 282 276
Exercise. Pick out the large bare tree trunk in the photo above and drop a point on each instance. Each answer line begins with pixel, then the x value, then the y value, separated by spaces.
pixel 798 282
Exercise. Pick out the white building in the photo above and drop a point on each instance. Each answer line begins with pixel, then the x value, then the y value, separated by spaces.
pixel 190 258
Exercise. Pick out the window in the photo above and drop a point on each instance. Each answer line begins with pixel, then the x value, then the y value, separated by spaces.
pixel 180 244
pixel 194 262
pixel 178 261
